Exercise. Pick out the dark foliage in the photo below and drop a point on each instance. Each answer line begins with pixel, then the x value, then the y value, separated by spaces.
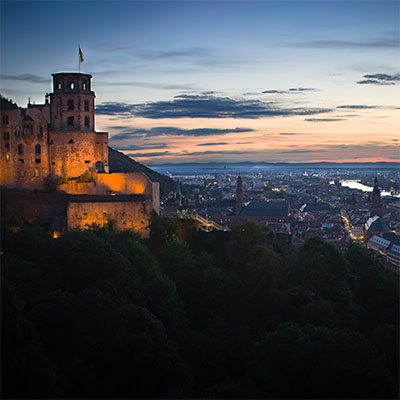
pixel 103 314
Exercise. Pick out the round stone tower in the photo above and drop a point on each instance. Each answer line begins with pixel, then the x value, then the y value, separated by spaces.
pixel 72 102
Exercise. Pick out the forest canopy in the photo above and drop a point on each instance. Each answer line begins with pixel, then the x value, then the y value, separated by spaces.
pixel 185 313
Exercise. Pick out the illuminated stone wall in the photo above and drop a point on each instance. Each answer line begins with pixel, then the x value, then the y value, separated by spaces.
pixel 74 153
pixel 135 215
pixel 24 153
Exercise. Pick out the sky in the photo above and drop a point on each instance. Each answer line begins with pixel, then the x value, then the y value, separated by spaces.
pixel 199 81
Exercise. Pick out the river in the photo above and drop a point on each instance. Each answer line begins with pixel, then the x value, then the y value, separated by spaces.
pixel 365 188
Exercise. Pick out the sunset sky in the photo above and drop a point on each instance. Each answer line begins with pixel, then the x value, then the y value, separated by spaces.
pixel 183 81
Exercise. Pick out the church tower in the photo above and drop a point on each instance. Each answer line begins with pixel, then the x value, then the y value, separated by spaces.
pixel 376 207
pixel 239 194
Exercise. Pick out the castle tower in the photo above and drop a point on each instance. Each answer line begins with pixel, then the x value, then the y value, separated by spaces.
pixel 75 147
pixel 72 102
pixel 239 194
pixel 376 207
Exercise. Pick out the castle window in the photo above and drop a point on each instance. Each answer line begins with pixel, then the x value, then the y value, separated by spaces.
pixel 5 119
pixel 37 149
pixel 37 160
pixel 28 130
pixel 70 105
pixel 70 120
pixel 72 85
pixel 87 161
pixel 7 146
pixel 17 131
pixel 39 131
pixel 7 157
pixel 6 135
pixel 21 149
pixel 86 121
pixel 70 141
pixel 20 161
pixel 84 85
pixel 36 173
pixel 22 173
pixel 59 85
pixel 86 105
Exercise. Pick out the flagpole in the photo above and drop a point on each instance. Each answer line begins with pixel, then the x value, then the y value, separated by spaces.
pixel 79 58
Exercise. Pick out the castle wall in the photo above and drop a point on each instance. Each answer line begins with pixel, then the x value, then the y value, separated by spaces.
pixel 75 153
pixel 24 154
pixel 135 215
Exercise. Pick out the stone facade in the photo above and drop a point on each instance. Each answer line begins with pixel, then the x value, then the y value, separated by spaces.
pixel 55 144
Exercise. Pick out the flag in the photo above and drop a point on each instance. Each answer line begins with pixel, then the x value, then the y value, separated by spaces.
pixel 81 55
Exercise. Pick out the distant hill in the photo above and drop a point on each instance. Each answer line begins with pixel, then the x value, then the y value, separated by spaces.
pixel 119 162
pixel 251 164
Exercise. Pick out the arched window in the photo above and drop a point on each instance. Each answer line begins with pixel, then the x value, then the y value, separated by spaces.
pixel 84 85
pixel 70 121
pixel 70 105
pixel 39 131
pixel 37 149
pixel 72 85
pixel 59 85
pixel 86 121
pixel 17 131
pixel 21 149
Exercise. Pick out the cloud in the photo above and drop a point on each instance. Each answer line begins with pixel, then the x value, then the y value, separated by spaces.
pixel 203 106
pixel 113 108
pixel 244 142
pixel 274 91
pixel 383 77
pixel 390 42
pixel 290 90
pixel 143 146
pixel 212 144
pixel 149 85
pixel 290 133
pixel 190 53
pixel 324 119
pixel 301 151
pixel 25 78
pixel 357 107
pixel 155 154
pixel 379 79
pixel 175 131
pixel 184 154
pixel 302 89
pixel 374 82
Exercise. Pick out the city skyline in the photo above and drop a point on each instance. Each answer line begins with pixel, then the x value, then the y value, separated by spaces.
pixel 295 81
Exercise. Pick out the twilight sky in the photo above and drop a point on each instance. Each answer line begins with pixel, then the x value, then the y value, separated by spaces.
pixel 183 81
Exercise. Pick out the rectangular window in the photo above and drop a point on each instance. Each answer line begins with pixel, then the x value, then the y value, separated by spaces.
pixel 20 160
pixel 6 135
pixel 7 145
pixel 22 173
pixel 5 119
pixel 37 160
pixel 86 105
pixel 70 120
pixel 37 172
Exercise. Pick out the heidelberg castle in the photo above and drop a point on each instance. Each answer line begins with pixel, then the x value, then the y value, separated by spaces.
pixel 58 162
